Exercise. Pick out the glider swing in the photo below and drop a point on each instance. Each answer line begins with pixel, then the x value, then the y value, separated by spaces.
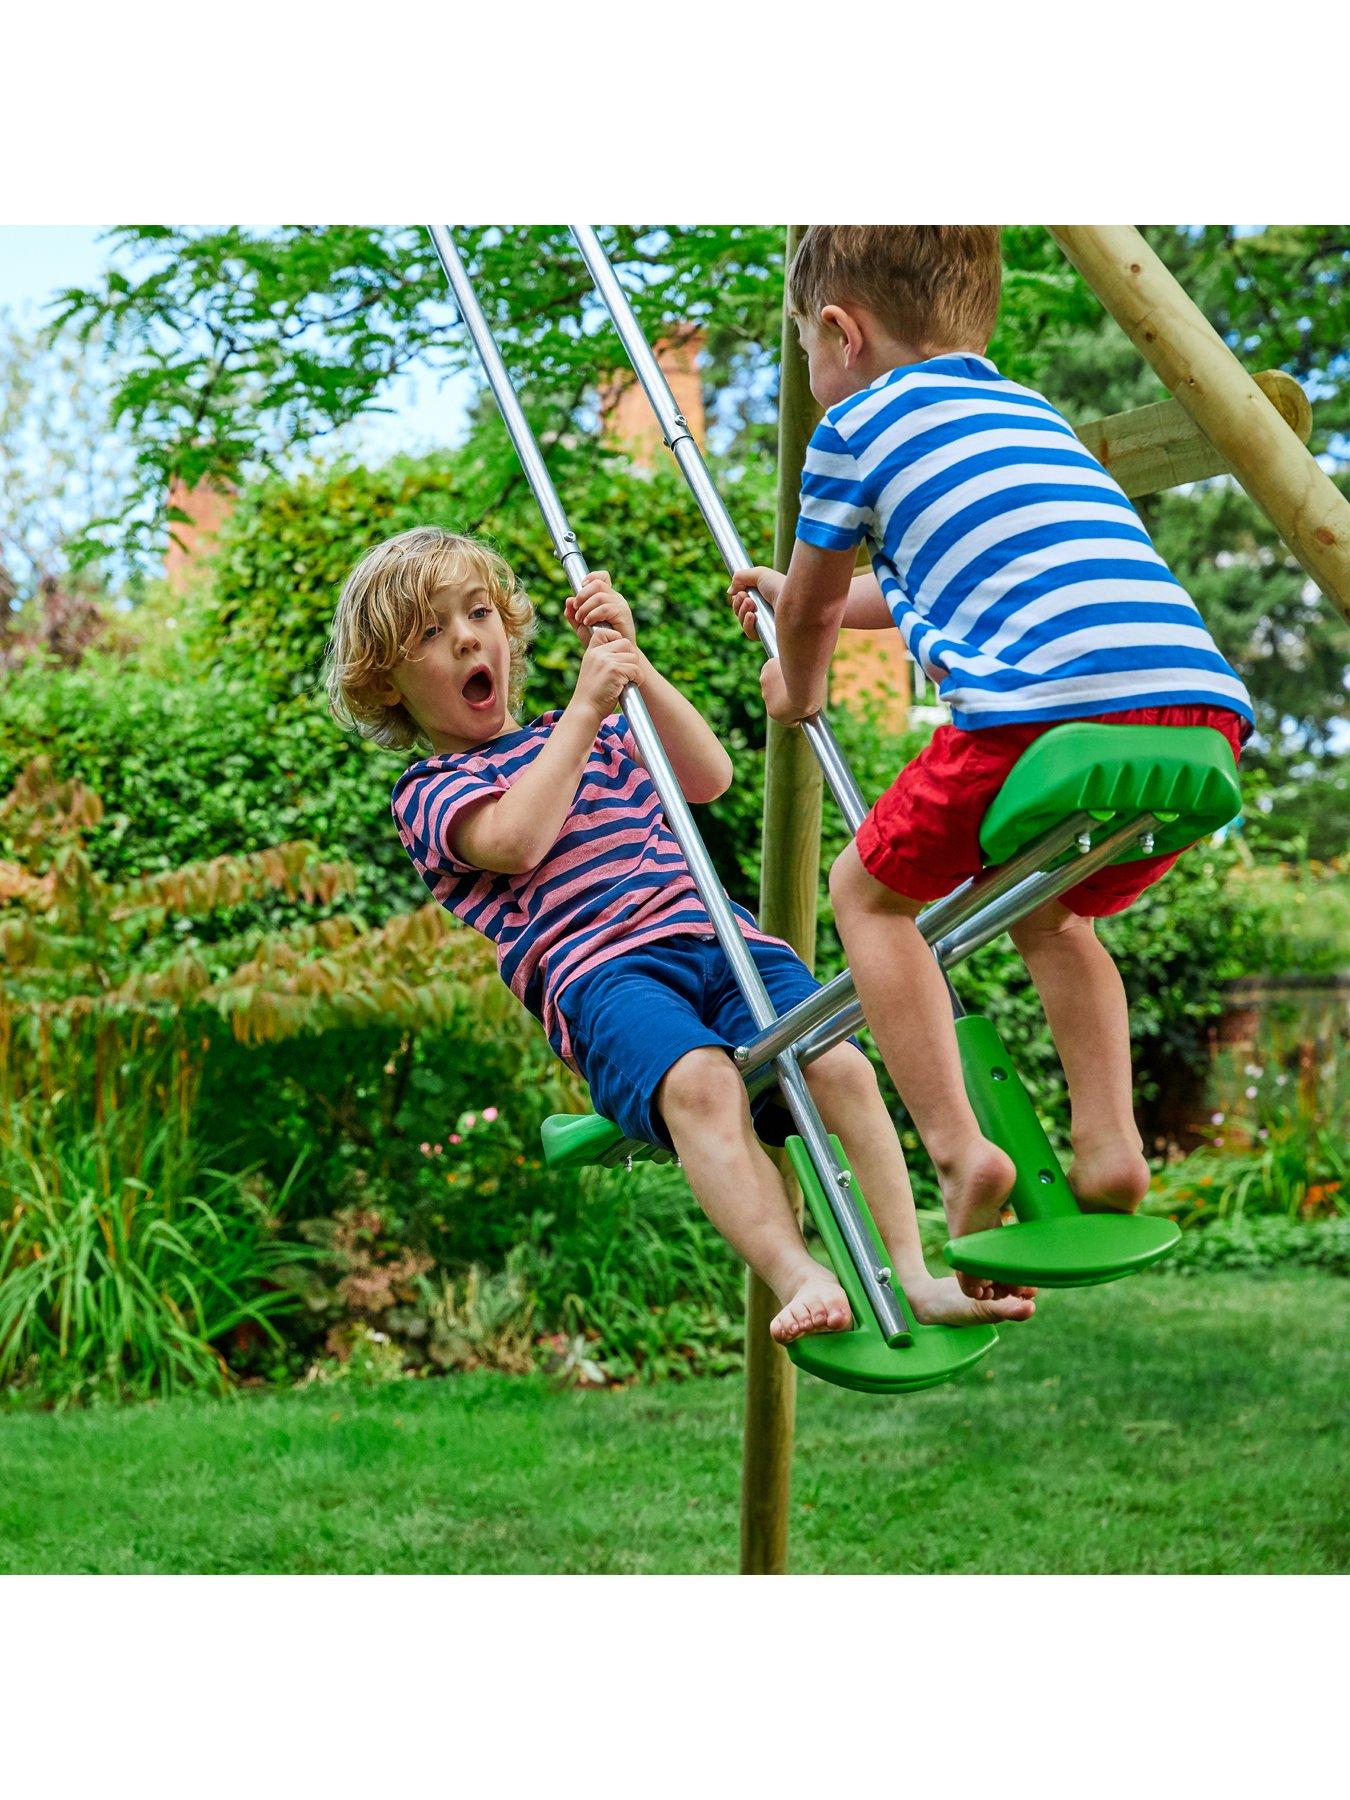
pixel 1082 797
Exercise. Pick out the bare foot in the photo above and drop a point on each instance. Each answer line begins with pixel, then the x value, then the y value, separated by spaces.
pixel 1110 1177
pixel 815 1303
pixel 974 1192
pixel 941 1302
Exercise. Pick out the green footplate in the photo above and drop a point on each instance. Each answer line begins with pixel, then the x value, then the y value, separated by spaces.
pixel 859 1359
pixel 1079 1251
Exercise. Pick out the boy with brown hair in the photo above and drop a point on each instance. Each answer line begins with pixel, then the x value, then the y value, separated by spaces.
pixel 1026 587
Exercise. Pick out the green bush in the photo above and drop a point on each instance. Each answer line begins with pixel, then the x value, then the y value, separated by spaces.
pixel 1259 1244
pixel 128 1285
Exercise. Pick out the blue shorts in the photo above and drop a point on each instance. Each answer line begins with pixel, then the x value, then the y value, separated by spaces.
pixel 635 1016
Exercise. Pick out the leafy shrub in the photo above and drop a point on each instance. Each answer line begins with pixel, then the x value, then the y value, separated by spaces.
pixel 1253 1245
pixel 643 1277
pixel 126 1284
pixel 1301 1170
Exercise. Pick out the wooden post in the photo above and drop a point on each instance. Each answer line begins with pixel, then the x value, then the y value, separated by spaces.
pixel 1174 337
pixel 788 888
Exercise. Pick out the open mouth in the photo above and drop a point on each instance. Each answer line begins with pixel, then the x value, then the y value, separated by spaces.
pixel 480 689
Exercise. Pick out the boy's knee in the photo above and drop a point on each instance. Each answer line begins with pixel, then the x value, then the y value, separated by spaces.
pixel 848 881
pixel 1048 924
pixel 843 1073
pixel 856 894
pixel 705 1084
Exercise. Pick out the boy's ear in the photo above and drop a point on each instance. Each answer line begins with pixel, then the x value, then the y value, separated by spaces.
pixel 847 325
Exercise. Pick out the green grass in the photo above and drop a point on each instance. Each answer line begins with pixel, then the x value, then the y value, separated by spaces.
pixel 1157 1425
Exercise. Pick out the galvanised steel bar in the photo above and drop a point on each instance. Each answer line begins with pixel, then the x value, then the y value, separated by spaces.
pixel 965 902
pixel 675 428
pixel 850 1017
pixel 875 1277
pixel 1036 890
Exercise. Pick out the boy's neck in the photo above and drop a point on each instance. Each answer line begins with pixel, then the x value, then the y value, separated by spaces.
pixel 887 355
pixel 443 744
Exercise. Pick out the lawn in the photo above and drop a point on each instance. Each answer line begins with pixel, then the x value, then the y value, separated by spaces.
pixel 1159 1425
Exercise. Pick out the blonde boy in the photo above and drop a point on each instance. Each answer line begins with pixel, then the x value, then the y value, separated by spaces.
pixel 550 840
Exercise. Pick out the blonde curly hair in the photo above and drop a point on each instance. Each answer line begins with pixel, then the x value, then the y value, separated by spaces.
pixel 383 611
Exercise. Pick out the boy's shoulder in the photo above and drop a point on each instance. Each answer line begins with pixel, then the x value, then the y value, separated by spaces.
pixel 915 384
pixel 505 756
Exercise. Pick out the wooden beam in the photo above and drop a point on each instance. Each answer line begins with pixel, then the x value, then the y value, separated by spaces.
pixel 788 889
pixel 1157 447
pixel 1174 337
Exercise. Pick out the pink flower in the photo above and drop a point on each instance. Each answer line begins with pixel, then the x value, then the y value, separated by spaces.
pixel 454 1138
pixel 489 1114
pixel 440 1148
pixel 425 1149
pixel 470 1120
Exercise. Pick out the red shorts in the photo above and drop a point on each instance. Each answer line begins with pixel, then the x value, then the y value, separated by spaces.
pixel 922 838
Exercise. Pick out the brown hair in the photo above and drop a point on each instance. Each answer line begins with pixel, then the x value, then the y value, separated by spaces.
pixel 386 606
pixel 932 285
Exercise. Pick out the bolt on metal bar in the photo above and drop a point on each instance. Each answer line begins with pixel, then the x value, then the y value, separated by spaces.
pixel 881 1296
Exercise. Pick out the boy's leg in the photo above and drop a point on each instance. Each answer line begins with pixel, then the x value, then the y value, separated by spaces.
pixel 845 1089
pixel 703 1102
pixel 904 999
pixel 1084 1000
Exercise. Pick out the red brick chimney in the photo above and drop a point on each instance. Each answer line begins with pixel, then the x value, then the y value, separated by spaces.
pixel 192 539
pixel 628 422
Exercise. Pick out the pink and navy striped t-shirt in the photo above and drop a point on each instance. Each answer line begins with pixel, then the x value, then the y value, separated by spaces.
pixel 614 879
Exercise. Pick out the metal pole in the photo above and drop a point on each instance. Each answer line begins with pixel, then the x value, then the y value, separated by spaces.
pixel 943 916
pixel 690 458
pixel 882 1297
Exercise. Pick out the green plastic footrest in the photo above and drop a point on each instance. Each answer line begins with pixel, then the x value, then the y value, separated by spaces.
pixel 1078 1251
pixel 578 1140
pixel 858 1359
pixel 1185 772
pixel 1054 1243
pixel 861 1358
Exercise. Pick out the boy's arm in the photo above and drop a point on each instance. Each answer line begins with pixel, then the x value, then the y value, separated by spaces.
pixel 696 753
pixel 809 612
pixel 516 831
pixel 867 609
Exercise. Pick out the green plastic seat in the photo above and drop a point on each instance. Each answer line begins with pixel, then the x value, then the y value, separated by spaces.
pixel 861 1358
pixel 1184 775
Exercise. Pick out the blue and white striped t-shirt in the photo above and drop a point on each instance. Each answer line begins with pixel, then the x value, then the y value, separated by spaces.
pixel 1006 553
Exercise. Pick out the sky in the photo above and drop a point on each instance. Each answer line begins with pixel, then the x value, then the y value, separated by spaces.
pixel 36 261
